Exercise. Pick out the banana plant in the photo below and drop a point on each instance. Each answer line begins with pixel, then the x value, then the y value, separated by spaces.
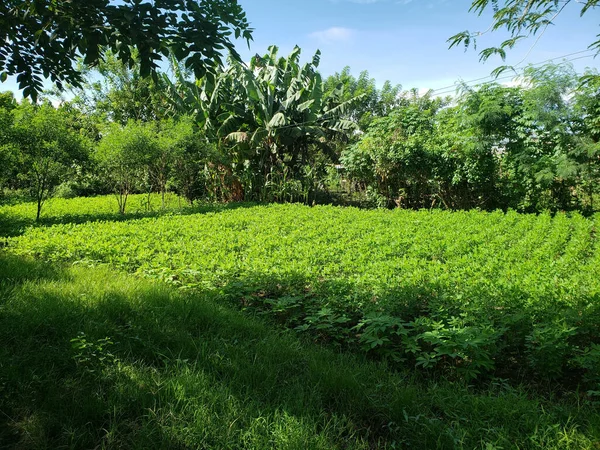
pixel 267 115
pixel 286 109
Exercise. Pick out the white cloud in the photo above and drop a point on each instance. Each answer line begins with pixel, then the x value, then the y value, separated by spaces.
pixel 333 34
pixel 362 2
pixel 368 2
pixel 518 81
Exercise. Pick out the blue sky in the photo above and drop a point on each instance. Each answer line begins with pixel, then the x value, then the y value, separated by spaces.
pixel 403 41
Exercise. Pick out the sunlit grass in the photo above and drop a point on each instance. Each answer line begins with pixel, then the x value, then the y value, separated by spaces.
pixel 16 218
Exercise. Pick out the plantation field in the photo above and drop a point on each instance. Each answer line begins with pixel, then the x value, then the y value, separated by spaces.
pixel 433 329
pixel 464 294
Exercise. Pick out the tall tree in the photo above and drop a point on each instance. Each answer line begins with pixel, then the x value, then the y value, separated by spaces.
pixel 396 158
pixel 373 102
pixel 119 93
pixel 8 152
pixel 587 112
pixel 44 37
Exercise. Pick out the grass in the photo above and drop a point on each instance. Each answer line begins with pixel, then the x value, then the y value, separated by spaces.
pixel 15 218
pixel 95 359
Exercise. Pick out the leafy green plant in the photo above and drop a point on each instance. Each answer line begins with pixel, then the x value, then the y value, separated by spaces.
pixel 45 39
pixel 124 156
pixel 465 294
pixel 48 152
pixel 589 361
pixel 466 350
pixel 384 335
pixel 92 356
pixel 549 347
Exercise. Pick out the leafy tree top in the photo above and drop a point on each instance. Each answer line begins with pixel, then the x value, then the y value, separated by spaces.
pixel 44 37
pixel 521 19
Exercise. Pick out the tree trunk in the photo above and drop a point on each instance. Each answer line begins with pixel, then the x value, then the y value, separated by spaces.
pixel 39 209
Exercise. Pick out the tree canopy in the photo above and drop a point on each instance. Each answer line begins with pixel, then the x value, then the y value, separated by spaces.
pixel 44 37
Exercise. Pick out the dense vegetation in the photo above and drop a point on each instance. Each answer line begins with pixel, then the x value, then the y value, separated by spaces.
pixel 42 38
pixel 158 288
pixel 275 131
pixel 465 294
pixel 456 331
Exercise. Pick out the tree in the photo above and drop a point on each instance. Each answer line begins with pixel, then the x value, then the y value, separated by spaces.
pixel 520 18
pixel 8 151
pixel 373 102
pixel 49 152
pixel 363 112
pixel 288 113
pixel 395 159
pixel 474 137
pixel 7 101
pixel 177 149
pixel 587 107
pixel 548 139
pixel 124 156
pixel 186 154
pixel 44 37
pixel 520 145
pixel 531 147
pixel 120 93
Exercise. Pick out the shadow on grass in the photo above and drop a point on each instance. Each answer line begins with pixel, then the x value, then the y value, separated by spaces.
pixel 12 225
pixel 91 359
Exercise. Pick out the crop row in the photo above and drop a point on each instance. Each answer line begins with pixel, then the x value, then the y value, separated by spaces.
pixel 464 293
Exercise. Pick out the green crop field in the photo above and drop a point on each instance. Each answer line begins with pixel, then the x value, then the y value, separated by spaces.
pixel 464 292
pixel 446 329
pixel 294 256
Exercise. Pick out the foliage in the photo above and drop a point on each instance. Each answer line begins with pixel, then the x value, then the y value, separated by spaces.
pixel 587 154
pixel 45 37
pixel 520 18
pixel 268 118
pixel 529 147
pixel 371 103
pixel 395 155
pixel 183 159
pixel 124 156
pixel 47 151
pixel 92 358
pixel 7 151
pixel 274 131
pixel 464 294
pixel 116 92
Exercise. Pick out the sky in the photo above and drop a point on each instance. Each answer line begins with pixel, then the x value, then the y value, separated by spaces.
pixel 404 41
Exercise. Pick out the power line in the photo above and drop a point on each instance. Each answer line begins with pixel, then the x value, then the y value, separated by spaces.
pixel 493 80
pixel 453 87
pixel 446 90
pixel 467 83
